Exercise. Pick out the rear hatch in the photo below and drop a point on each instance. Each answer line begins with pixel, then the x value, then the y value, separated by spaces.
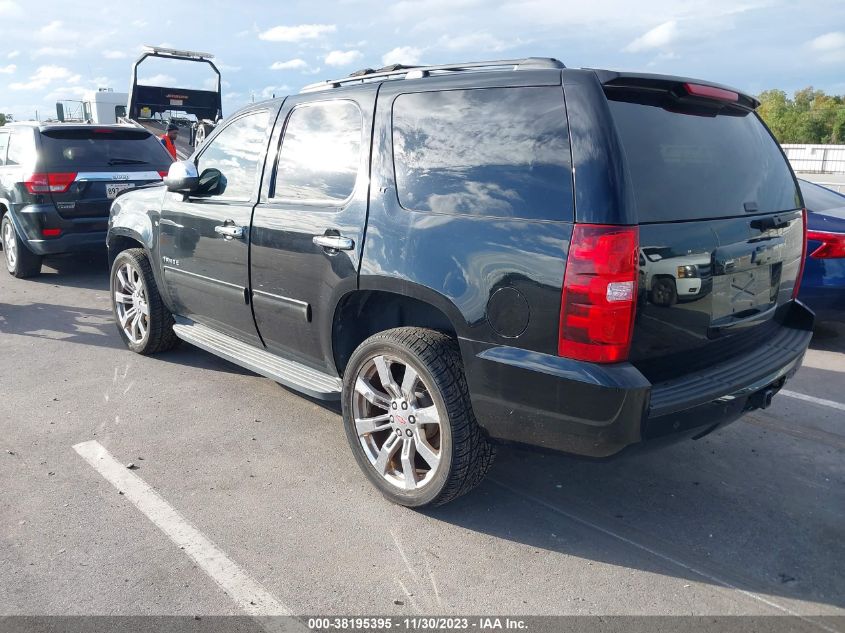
pixel 88 167
pixel 720 223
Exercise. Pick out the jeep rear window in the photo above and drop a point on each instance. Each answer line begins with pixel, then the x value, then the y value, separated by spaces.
pixel 699 162
pixel 501 152
pixel 66 150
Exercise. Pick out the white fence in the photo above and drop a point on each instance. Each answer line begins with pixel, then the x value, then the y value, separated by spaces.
pixel 816 159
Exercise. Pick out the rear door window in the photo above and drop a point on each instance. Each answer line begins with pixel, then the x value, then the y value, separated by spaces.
pixel 501 152
pixel 321 151
pixel 21 148
pixel 699 163
pixel 70 149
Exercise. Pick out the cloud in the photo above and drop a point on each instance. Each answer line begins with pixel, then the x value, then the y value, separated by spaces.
pixel 658 37
pixel 402 55
pixel 157 80
pixel 114 54
pixel 476 42
pixel 343 58
pixel 10 9
pixel 291 64
pixel 44 76
pixel 830 47
pixel 296 33
pixel 13 54
pixel 268 91
pixel 52 51
pixel 51 29
pixel 8 70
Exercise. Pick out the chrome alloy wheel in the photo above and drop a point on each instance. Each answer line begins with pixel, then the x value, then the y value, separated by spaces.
pixel 10 245
pixel 130 301
pixel 397 422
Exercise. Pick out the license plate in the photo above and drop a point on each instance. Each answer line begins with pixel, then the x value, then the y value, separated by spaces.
pixel 113 190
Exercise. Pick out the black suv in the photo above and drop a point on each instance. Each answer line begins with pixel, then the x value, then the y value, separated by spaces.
pixel 455 253
pixel 58 181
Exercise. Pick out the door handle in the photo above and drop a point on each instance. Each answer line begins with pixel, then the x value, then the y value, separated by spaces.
pixel 334 242
pixel 229 231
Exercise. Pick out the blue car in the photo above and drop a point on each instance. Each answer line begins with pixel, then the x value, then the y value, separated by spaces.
pixel 823 284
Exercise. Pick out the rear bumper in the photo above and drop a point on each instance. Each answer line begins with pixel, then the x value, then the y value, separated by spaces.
pixel 597 410
pixel 77 234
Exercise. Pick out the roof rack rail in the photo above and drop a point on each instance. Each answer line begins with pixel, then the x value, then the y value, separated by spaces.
pixel 397 71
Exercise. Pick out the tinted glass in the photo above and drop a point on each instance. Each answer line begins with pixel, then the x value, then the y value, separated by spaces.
pixel 21 148
pixel 818 198
pixel 70 149
pixel 4 143
pixel 320 153
pixel 237 152
pixel 500 152
pixel 700 164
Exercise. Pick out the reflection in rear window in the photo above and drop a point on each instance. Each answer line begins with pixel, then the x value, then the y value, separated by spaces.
pixel 686 165
pixel 71 149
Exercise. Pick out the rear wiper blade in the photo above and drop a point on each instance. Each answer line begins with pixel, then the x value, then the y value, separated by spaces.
pixel 127 161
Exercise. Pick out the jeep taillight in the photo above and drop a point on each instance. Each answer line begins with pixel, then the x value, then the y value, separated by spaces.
pixel 49 183
pixel 599 296
pixel 797 285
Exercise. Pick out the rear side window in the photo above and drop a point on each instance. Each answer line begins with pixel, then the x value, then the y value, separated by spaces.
pixel 501 152
pixel 702 163
pixel 21 148
pixel 320 153
pixel 67 150
pixel 818 198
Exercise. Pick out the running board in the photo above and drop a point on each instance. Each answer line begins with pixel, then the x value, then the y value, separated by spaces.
pixel 309 381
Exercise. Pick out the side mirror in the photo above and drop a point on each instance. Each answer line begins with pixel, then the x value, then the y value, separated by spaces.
pixel 212 182
pixel 182 177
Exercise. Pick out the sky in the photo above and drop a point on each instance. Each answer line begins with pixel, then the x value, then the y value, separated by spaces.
pixel 265 49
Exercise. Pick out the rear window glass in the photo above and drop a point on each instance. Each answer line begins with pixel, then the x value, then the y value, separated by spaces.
pixel 687 164
pixel 88 147
pixel 501 152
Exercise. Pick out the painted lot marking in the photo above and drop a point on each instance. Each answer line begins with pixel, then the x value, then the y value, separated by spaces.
pixel 820 401
pixel 665 557
pixel 248 593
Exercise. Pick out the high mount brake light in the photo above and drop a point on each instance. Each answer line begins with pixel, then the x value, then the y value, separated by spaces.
pixel 797 286
pixel 49 183
pixel 832 247
pixel 711 92
pixel 599 296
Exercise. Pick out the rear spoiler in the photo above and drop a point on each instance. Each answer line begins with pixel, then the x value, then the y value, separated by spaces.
pixel 681 86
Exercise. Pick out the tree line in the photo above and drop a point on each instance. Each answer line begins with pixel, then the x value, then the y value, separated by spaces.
pixel 810 116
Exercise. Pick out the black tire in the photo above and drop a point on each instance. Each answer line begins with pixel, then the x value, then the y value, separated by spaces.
pixel 465 452
pixel 159 335
pixel 664 292
pixel 20 262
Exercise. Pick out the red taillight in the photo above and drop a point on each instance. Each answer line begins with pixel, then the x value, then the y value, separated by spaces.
pixel 797 286
pixel 711 92
pixel 599 293
pixel 49 183
pixel 832 247
pixel 163 174
pixel 51 232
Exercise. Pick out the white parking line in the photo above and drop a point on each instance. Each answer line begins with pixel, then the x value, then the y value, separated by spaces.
pixel 820 401
pixel 248 593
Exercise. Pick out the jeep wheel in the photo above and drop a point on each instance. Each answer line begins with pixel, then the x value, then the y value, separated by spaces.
pixel 144 322
pixel 20 261
pixel 409 420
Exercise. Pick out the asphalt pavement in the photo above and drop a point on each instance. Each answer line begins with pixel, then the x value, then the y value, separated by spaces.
pixel 748 520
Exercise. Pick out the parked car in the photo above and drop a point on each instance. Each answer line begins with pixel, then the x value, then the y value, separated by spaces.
pixel 57 183
pixel 823 284
pixel 413 243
